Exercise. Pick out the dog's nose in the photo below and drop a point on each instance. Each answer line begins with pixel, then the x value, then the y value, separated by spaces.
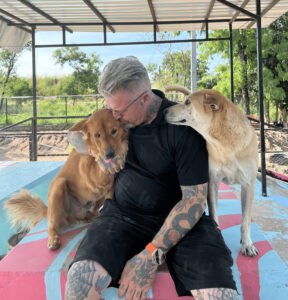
pixel 109 153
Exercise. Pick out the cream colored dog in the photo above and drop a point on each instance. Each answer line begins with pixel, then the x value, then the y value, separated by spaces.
pixel 231 144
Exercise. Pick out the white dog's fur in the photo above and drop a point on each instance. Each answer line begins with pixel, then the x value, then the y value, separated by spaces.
pixel 231 144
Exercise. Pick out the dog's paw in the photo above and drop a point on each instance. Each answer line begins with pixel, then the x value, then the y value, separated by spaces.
pixel 54 242
pixel 249 250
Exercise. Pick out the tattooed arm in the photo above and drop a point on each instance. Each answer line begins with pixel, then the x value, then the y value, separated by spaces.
pixel 139 272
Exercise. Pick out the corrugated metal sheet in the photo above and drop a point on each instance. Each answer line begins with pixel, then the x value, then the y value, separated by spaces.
pixel 77 11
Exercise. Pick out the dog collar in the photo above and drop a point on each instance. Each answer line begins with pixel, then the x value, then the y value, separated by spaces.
pixel 93 153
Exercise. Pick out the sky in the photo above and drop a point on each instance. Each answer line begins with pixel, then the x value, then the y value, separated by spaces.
pixel 45 64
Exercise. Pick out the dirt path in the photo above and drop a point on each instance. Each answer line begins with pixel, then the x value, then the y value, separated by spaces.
pixel 17 149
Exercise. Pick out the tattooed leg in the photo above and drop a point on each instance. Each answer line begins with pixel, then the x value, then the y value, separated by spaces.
pixel 215 294
pixel 86 280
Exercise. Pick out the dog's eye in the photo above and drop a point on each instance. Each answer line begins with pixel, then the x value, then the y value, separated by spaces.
pixel 97 135
pixel 113 131
pixel 187 102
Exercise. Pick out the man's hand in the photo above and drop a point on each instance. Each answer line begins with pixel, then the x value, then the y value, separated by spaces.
pixel 137 277
pixel 111 166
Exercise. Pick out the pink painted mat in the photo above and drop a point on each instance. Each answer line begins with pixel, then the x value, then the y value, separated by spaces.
pixel 31 271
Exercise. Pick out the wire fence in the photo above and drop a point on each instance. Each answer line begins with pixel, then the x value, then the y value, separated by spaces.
pixel 55 114
pixel 16 109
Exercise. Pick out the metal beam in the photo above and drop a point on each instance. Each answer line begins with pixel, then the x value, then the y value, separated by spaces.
pixel 99 15
pixel 42 13
pixel 264 12
pixel 211 5
pixel 242 10
pixel 260 97
pixel 144 23
pixel 153 14
pixel 4 12
pixel 133 43
pixel 243 5
pixel 10 23
pixel 33 140
pixel 231 61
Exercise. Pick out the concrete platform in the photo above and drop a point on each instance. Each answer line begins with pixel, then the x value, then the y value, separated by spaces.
pixel 31 271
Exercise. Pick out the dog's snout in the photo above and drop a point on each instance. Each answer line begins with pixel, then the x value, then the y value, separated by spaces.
pixel 109 153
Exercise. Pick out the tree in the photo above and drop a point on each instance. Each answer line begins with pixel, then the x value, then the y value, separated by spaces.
pixel 275 61
pixel 244 58
pixel 86 69
pixel 8 60
pixel 175 69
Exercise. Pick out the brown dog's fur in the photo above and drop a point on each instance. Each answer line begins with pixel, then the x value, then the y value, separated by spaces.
pixel 80 187
pixel 231 144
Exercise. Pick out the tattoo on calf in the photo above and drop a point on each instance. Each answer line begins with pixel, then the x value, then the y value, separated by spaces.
pixel 215 294
pixel 83 277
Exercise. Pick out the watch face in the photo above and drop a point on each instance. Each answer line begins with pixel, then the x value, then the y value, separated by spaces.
pixel 158 257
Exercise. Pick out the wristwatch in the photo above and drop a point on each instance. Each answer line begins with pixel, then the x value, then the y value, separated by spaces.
pixel 157 255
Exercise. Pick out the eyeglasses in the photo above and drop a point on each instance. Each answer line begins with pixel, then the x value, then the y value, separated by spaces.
pixel 121 113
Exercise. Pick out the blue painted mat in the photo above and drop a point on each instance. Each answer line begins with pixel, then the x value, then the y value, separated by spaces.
pixel 263 277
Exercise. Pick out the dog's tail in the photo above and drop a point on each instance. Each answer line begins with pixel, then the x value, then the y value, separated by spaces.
pixel 25 210
pixel 178 88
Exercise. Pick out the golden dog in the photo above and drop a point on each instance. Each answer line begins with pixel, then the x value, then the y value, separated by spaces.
pixel 231 144
pixel 80 187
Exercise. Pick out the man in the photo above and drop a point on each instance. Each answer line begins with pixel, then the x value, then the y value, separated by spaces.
pixel 158 205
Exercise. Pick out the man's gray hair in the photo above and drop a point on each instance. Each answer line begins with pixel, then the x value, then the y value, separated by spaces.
pixel 126 73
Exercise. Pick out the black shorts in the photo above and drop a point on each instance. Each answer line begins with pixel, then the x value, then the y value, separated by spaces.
pixel 200 260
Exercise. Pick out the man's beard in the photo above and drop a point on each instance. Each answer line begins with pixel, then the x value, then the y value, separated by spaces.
pixel 130 125
pixel 127 124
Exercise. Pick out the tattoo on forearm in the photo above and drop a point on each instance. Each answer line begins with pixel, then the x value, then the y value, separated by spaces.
pixel 83 277
pixel 215 294
pixel 183 216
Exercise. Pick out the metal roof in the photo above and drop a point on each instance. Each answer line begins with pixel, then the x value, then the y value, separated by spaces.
pixel 130 15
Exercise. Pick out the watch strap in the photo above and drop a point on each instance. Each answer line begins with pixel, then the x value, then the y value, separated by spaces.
pixel 151 248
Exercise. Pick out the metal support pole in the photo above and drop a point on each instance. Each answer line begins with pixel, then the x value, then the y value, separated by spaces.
pixel 33 155
pixel 63 36
pixel 260 97
pixel 6 110
pixel 193 63
pixel 66 109
pixel 105 34
pixel 231 61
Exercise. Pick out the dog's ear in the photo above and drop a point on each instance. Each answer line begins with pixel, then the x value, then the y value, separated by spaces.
pixel 212 102
pixel 80 126
pixel 82 129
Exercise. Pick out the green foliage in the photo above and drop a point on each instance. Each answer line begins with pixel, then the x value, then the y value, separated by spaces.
pixel 175 69
pixel 18 87
pixel 86 70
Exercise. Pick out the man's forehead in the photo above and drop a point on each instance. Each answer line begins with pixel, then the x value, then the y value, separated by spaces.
pixel 118 97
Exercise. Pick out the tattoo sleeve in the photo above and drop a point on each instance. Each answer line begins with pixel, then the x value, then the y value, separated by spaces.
pixel 183 217
pixel 86 278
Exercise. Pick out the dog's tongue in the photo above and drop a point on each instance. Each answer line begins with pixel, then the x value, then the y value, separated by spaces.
pixel 107 161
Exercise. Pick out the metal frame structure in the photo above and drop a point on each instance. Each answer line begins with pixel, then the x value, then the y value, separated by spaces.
pixel 251 17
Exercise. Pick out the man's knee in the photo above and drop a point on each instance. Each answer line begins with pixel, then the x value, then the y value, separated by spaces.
pixel 86 280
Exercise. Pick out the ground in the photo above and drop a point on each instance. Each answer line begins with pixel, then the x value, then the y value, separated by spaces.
pixel 17 149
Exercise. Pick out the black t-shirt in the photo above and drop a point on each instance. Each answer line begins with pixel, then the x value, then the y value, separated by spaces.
pixel 161 157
